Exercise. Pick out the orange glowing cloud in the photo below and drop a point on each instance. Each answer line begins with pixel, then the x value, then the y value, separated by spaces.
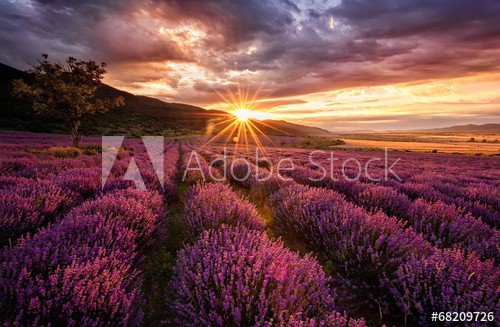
pixel 335 64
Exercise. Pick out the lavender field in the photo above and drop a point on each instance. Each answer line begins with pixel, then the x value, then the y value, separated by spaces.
pixel 225 239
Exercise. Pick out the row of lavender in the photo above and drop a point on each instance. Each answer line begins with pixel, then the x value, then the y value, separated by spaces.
pixel 75 250
pixel 37 188
pixel 244 277
pixel 444 225
pixel 231 273
pixel 379 258
pixel 442 222
pixel 83 266
pixel 470 183
pixel 83 269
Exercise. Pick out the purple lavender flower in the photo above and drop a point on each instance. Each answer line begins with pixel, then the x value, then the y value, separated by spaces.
pixel 237 276
pixel 447 281
pixel 386 199
pixel 364 250
pixel 81 270
pixel 448 226
pixel 31 204
pixel 210 205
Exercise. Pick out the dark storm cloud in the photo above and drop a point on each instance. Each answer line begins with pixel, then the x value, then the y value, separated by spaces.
pixel 128 31
pixel 382 42
pixel 451 37
pixel 400 18
pixel 302 46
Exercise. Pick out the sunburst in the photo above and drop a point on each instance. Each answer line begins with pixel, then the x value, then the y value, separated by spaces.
pixel 242 114
pixel 241 125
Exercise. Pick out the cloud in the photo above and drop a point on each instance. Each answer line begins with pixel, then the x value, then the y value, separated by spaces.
pixel 183 50
pixel 402 18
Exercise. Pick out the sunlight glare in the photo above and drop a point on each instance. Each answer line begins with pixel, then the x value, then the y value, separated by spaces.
pixel 241 125
pixel 243 114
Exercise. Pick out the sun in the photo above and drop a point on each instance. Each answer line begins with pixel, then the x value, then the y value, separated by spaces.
pixel 241 125
pixel 243 114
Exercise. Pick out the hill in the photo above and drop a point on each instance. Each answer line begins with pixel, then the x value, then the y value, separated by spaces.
pixel 282 127
pixel 469 128
pixel 141 115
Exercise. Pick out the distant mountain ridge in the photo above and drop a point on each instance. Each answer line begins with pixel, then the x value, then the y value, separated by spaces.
pixel 270 126
pixel 469 128
pixel 141 115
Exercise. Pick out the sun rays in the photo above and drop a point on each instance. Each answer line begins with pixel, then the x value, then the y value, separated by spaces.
pixel 242 114
pixel 240 129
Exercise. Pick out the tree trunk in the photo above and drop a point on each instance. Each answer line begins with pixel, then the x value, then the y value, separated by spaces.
pixel 75 135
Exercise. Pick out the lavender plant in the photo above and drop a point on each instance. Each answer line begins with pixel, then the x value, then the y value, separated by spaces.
pixel 364 250
pixel 81 270
pixel 210 205
pixel 447 281
pixel 236 276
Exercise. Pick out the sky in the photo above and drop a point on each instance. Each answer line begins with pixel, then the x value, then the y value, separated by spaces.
pixel 339 65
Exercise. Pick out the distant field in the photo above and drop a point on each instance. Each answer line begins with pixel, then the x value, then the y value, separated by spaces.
pixel 465 143
pixel 486 144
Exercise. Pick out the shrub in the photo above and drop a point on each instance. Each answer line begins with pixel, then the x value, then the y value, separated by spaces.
pixel 35 273
pixel 447 281
pixel 236 276
pixel 486 194
pixel 119 183
pixel 420 190
pixel 309 176
pixel 91 149
pixel 351 189
pixel 31 204
pixel 364 250
pixel 7 182
pixel 296 206
pixel 195 168
pixel 260 191
pixel 60 152
pixel 81 270
pixel 8 165
pixel 386 199
pixel 86 182
pixel 485 212
pixel 246 173
pixel 448 226
pixel 136 210
pixel 211 205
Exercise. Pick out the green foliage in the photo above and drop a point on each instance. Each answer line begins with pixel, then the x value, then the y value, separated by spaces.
pixel 91 149
pixel 318 143
pixel 66 90
pixel 61 152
